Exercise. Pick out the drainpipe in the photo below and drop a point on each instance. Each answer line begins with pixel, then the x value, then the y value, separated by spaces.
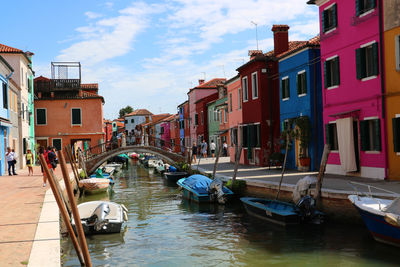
pixel 316 126
pixel 380 9
pixel 270 109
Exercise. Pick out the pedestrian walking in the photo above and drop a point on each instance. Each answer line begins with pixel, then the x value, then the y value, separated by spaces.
pixel 225 149
pixel 204 149
pixel 194 152
pixel 29 161
pixel 11 161
pixel 212 148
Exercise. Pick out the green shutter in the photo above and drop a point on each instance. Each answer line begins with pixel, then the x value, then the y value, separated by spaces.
pixel 323 20
pixel 357 8
pixel 375 55
pixel 364 135
pixel 396 134
pixel 358 63
pixel 377 135
pixel 328 134
pixel 337 71
pixel 334 16
pixel 325 76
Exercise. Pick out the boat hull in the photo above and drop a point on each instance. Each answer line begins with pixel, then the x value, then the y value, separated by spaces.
pixel 277 212
pixel 173 177
pixel 94 185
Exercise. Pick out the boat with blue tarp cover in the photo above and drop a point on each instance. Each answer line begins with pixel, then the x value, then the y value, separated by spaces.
pixel 202 189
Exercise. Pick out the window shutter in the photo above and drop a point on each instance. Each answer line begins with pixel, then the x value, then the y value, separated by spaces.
pixel 323 20
pixel 325 76
pixel 373 3
pixel 358 63
pixel 328 134
pixel 304 83
pixel 298 84
pixel 357 8
pixel 364 135
pixel 375 54
pixel 334 16
pixel 287 87
pixel 337 70
pixel 282 90
pixel 377 135
pixel 24 145
pixel 396 134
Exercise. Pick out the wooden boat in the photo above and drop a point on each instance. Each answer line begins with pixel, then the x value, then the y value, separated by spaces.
pixel 173 177
pixel 202 189
pixel 101 217
pixel 381 216
pixel 279 212
pixel 94 185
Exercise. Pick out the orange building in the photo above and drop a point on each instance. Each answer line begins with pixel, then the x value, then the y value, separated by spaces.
pixel 392 81
pixel 67 112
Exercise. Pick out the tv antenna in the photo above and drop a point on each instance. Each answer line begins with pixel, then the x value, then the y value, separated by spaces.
pixel 252 22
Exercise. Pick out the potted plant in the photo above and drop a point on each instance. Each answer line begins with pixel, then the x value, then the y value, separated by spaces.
pixel 303 134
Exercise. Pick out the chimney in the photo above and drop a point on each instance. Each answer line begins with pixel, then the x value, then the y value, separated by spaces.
pixel 281 38
pixel 201 81
pixel 254 53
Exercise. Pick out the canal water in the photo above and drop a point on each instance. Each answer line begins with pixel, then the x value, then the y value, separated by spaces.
pixel 165 230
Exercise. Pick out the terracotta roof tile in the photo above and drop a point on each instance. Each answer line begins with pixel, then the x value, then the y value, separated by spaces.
pixel 89 85
pixel 9 49
pixel 157 118
pixel 298 45
pixel 139 112
pixel 211 84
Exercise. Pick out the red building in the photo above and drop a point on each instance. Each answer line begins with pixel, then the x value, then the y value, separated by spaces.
pixel 259 77
pixel 201 117
pixel 186 119
pixel 107 125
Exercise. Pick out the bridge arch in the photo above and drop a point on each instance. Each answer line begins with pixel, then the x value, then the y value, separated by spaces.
pixel 93 163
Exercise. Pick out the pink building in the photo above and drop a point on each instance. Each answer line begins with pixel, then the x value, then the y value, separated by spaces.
pixel 353 87
pixel 165 131
pixel 204 89
pixel 235 114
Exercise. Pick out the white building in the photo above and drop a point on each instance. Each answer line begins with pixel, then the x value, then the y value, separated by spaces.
pixel 133 119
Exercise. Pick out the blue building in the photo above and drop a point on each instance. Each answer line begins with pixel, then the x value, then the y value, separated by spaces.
pixel 182 126
pixel 301 96
pixel 5 73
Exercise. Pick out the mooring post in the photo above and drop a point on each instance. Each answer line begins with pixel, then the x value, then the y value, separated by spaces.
pixel 238 153
pixel 321 172
pixel 75 212
pixel 62 209
pixel 284 165
pixel 217 158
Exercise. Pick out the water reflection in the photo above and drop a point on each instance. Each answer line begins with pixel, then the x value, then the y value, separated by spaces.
pixel 166 230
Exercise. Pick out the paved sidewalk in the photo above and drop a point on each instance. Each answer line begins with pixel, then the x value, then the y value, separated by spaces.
pixel 263 175
pixel 21 200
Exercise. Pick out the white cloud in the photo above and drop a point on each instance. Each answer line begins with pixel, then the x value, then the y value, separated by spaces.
pixel 93 15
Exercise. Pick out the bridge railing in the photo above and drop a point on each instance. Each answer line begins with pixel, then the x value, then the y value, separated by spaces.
pixel 143 140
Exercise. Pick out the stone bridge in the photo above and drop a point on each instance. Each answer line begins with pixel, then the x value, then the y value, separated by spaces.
pixel 95 161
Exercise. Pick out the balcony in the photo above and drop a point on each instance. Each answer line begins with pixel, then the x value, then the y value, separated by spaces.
pixel 57 85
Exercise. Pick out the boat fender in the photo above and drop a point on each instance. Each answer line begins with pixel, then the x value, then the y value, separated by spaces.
pixel 125 216
pixel 392 219
pixel 124 208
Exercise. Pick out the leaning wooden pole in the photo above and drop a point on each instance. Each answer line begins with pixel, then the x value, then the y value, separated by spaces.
pixel 72 162
pixel 75 212
pixel 63 211
pixel 284 165
pixel 238 153
pixel 216 160
pixel 321 172
pixel 62 195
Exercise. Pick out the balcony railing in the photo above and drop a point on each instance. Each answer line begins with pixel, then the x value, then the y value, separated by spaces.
pixel 57 85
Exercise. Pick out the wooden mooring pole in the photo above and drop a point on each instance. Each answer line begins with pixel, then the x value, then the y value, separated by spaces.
pixel 73 164
pixel 217 158
pixel 325 154
pixel 62 209
pixel 75 212
pixel 238 153
pixel 284 165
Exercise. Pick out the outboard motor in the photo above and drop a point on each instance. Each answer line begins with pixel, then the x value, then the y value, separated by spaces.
pixel 98 219
pixel 215 188
pixel 306 207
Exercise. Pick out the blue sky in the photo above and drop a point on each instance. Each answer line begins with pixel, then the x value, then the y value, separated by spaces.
pixel 148 54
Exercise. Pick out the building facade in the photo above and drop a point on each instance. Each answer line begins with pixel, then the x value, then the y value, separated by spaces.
pixel 201 117
pixel 353 101
pixel 133 119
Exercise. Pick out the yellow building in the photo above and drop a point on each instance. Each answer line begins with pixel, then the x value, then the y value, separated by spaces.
pixel 391 9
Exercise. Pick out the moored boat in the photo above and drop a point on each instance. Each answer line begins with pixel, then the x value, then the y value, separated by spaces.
pixel 94 185
pixel 173 177
pixel 101 217
pixel 201 189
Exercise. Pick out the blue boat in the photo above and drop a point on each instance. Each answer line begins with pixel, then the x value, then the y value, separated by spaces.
pixel 202 189
pixel 282 213
pixel 381 216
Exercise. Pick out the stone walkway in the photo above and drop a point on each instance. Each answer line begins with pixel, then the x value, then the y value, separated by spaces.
pixel 21 200
pixel 265 176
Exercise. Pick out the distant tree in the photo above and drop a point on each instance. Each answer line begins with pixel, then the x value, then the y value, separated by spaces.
pixel 124 111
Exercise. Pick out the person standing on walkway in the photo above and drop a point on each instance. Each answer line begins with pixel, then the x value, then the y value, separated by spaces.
pixel 212 148
pixel 225 149
pixel 194 152
pixel 204 148
pixel 29 162
pixel 10 155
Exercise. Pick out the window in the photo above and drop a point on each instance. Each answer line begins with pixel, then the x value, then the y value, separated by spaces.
pixel 57 143
pixel 196 119
pixel 76 116
pixel 230 102
pixel 285 125
pixel 251 136
pixel 41 116
pixel 132 120
pixel 219 116
pixel 285 90
pixel 5 96
pixel 254 85
pixel 367 61
pixel 23 111
pixel 363 6
pixel 161 130
pixel 202 118
pixel 370 135
pixel 396 133
pixel 126 121
pixel 210 115
pixel 331 136
pixel 329 18
pixel 240 98
pixel 301 83
pixel 234 135
pixel 245 89
pixel 331 72
pixel 225 115
pixel 397 48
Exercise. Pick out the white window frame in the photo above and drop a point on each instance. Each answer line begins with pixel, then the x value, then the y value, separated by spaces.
pixel 372 151
pixel 245 89
pixel 397 51
pixel 72 119
pixel 328 7
pixel 36 109
pixel 254 89
pixel 52 142
pixel 286 98
pixel 301 72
